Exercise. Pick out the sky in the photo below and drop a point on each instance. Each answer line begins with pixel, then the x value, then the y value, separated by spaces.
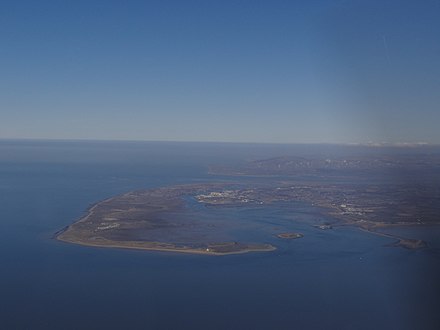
pixel 236 71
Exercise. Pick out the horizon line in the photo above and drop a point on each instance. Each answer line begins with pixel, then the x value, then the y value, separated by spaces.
pixel 368 144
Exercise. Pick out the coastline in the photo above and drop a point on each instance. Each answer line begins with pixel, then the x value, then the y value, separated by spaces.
pixel 115 221
pixel 407 243
pixel 133 245
pixel 86 230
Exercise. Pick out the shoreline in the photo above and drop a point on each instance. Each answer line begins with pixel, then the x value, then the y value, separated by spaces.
pixel 189 250
pixel 407 243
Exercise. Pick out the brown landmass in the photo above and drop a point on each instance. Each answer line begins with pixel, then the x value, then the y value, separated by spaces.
pixel 369 193
pixel 116 222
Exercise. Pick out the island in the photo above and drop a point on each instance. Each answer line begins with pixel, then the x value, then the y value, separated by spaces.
pixel 290 235
pixel 138 220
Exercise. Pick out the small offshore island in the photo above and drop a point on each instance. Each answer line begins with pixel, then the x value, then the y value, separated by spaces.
pixel 126 221
pixel 290 235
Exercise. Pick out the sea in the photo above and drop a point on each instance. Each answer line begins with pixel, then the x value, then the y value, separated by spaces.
pixel 330 279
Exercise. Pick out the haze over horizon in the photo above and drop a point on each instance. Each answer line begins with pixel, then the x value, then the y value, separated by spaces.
pixel 276 72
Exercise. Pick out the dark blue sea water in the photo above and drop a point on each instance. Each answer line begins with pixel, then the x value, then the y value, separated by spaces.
pixel 337 279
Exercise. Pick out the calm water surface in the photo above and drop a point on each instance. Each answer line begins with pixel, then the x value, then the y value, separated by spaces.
pixel 337 279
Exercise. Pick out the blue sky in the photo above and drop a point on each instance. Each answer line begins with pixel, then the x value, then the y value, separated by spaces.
pixel 243 71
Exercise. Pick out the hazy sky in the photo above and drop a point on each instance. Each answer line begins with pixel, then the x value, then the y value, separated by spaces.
pixel 255 71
